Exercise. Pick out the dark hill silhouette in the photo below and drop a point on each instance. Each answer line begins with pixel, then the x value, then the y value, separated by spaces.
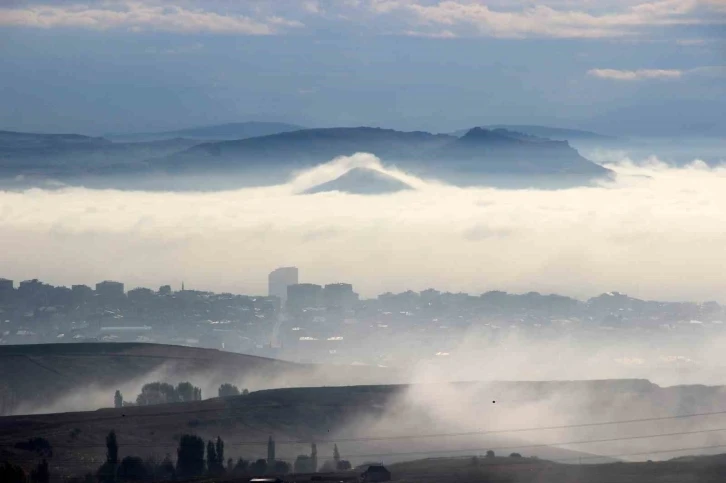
pixel 471 159
pixel 481 156
pixel 68 154
pixel 362 181
pixel 554 133
pixel 232 130
pixel 305 148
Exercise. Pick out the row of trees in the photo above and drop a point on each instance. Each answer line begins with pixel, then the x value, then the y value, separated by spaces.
pixel 10 473
pixel 162 393
pixel 191 463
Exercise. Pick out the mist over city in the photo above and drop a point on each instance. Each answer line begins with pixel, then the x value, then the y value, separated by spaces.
pixel 362 241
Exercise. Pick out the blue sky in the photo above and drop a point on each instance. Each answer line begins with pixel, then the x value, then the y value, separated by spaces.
pixel 123 66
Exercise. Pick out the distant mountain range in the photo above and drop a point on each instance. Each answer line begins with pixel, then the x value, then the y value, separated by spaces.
pixel 553 133
pixel 468 159
pixel 480 156
pixel 361 181
pixel 232 130
pixel 74 154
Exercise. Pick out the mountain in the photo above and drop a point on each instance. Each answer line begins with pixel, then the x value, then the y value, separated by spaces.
pixel 504 152
pixel 553 133
pixel 361 181
pixel 45 377
pixel 305 148
pixel 232 130
pixel 69 154
pixel 470 159
pixel 481 156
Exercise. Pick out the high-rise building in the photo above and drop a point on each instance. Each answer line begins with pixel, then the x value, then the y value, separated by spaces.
pixel 109 289
pixel 303 296
pixel 278 281
pixel 339 295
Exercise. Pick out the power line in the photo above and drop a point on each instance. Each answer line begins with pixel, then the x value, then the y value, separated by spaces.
pixel 438 435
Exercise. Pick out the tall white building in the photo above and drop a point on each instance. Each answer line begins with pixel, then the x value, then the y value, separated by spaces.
pixel 278 281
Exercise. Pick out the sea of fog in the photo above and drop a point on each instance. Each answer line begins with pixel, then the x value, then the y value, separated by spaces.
pixel 655 232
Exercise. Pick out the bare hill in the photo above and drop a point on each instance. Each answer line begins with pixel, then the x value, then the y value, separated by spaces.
pixel 48 377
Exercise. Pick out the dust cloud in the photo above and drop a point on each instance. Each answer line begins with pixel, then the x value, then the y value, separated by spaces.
pixel 654 232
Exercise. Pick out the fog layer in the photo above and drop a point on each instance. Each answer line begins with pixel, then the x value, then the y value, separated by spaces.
pixel 654 232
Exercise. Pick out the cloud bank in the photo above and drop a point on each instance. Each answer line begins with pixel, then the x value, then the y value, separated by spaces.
pixel 447 18
pixel 140 16
pixel 657 232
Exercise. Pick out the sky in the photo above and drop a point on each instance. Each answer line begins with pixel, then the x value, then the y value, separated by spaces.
pixel 113 66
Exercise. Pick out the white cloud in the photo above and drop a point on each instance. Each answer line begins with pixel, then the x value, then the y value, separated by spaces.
pixel 139 16
pixel 547 19
pixel 644 74
pixel 634 75
pixel 657 232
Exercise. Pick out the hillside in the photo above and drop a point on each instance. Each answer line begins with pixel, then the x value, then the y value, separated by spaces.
pixel 478 157
pixel 472 159
pixel 47 377
pixel 73 154
pixel 499 151
pixel 232 130
pixel 548 132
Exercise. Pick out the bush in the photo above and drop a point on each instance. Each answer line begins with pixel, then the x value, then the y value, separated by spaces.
pixel 280 467
pixel 10 473
pixel 40 445
pixel 132 468
pixel 515 455
pixel 160 470
pixel 490 454
pixel 304 464
pixel 241 468
pixel 258 468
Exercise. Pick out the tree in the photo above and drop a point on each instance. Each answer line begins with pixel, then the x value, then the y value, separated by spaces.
pixel 111 448
pixel 303 464
pixel 490 454
pixel 197 394
pixel 220 451
pixel 159 470
pixel 336 455
pixel 107 471
pixel 314 456
pixel 515 455
pixel 132 468
pixel 245 392
pixel 40 474
pixel 10 473
pixel 211 455
pixel 228 390
pixel 118 399
pixel 186 391
pixel 270 450
pixel 258 468
pixel 157 393
pixel 190 456
pixel 280 467
pixel 241 467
